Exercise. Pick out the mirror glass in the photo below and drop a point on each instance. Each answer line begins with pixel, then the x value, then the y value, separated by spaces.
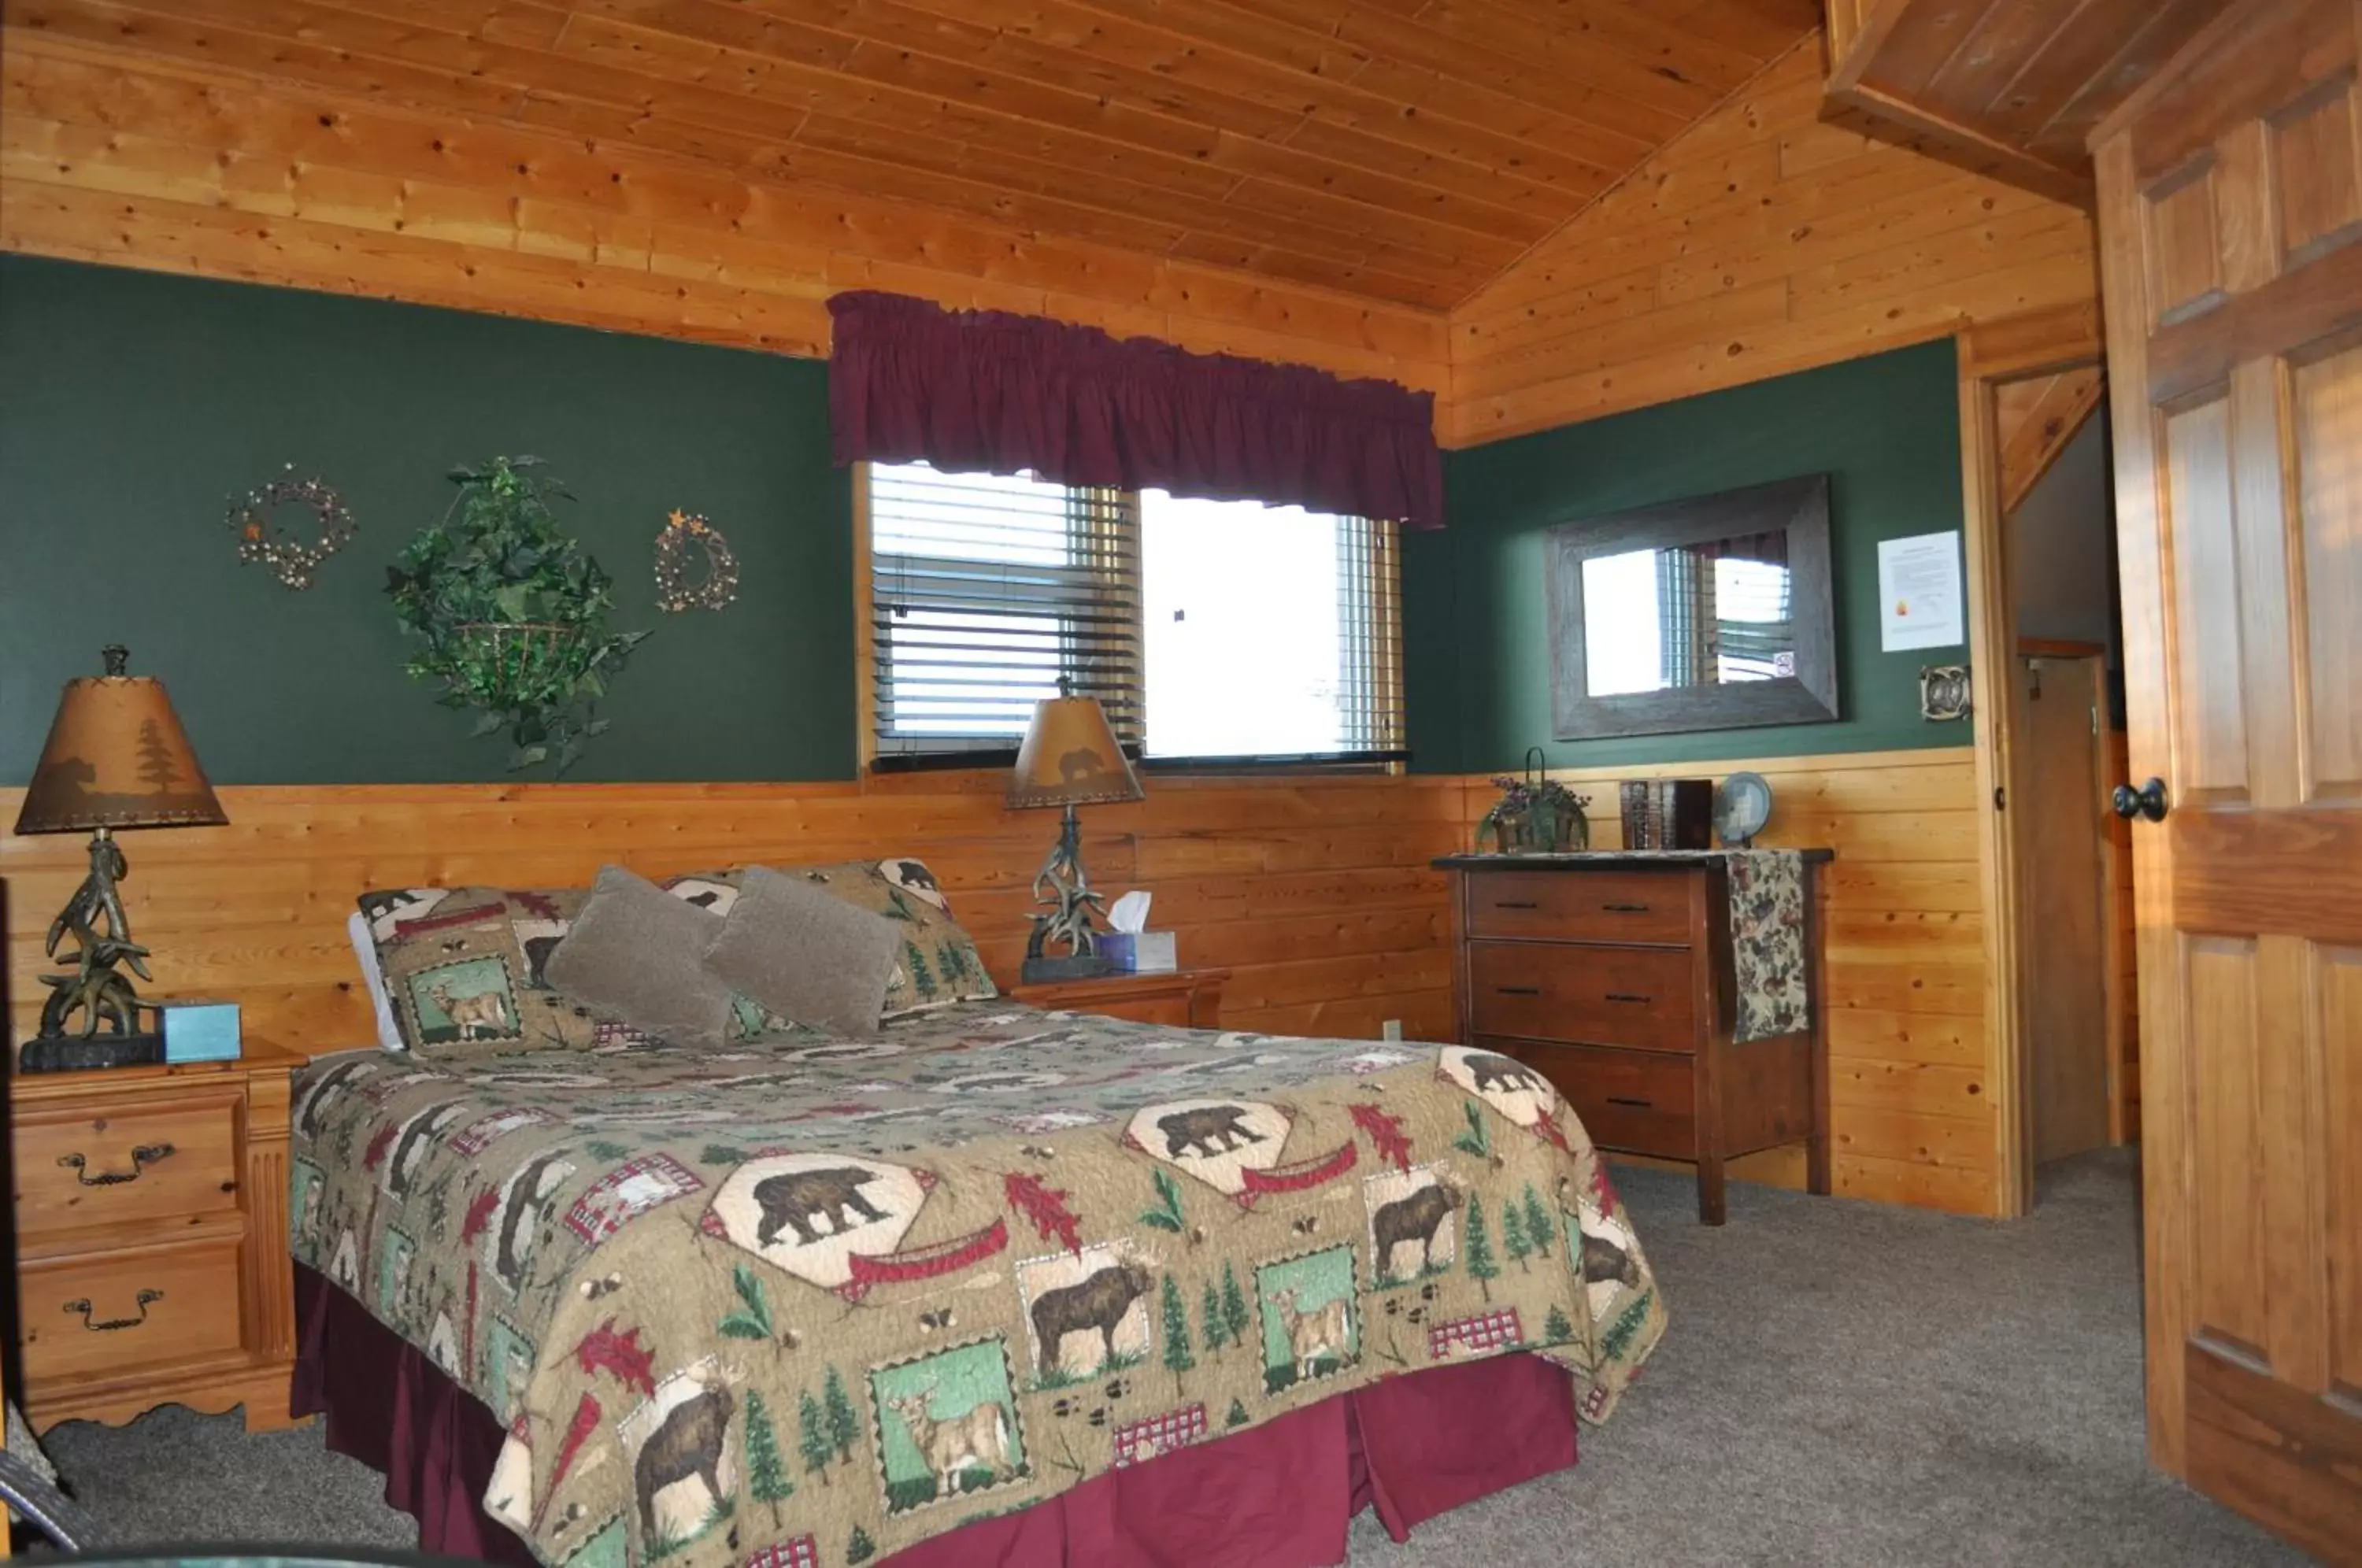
pixel 1709 613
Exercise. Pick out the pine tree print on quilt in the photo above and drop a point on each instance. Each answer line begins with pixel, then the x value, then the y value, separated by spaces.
pixel 845 1359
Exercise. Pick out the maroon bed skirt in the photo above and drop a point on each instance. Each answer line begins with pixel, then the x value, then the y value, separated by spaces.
pixel 1277 1495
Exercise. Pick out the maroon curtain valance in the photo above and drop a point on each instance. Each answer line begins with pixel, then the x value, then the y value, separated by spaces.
pixel 987 389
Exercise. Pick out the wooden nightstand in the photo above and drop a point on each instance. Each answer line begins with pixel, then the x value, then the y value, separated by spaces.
pixel 1184 999
pixel 151 1239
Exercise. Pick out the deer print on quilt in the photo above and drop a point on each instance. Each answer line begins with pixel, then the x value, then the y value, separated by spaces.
pixel 803 1300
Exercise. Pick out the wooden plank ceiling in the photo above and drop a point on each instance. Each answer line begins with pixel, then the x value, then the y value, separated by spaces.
pixel 2011 87
pixel 1401 150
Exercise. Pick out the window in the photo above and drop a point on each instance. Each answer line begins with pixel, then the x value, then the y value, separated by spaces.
pixel 1208 630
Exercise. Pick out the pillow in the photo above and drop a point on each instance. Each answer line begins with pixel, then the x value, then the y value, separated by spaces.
pixel 804 955
pixel 389 1033
pixel 939 961
pixel 638 953
pixel 415 927
pixel 470 945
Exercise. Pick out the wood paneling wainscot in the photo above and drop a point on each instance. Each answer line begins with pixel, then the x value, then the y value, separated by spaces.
pixel 1760 242
pixel 1910 1121
pixel 1314 895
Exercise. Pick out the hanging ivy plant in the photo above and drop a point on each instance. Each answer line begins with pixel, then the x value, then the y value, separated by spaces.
pixel 513 611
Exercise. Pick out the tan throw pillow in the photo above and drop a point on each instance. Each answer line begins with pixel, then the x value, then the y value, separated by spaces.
pixel 939 961
pixel 805 954
pixel 636 952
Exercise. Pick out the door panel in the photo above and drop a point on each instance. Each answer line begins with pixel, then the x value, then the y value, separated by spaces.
pixel 2338 982
pixel 2327 395
pixel 2226 1146
pixel 2212 758
pixel 2230 202
pixel 2314 158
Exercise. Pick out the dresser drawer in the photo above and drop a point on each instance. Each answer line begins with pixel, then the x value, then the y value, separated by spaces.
pixel 126 1161
pixel 1581 906
pixel 1598 996
pixel 1645 1101
pixel 108 1311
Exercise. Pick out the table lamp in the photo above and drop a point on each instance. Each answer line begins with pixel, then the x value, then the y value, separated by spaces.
pixel 1070 758
pixel 116 757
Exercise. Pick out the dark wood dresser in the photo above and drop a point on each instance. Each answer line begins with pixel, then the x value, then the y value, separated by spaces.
pixel 1613 974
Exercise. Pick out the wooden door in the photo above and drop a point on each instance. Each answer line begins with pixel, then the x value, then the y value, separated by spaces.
pixel 2230 208
pixel 2057 791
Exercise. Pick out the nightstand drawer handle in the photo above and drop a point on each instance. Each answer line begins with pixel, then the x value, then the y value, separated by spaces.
pixel 143 1156
pixel 1631 1100
pixel 1626 996
pixel 1626 909
pixel 1518 990
pixel 146 1298
pixel 1515 904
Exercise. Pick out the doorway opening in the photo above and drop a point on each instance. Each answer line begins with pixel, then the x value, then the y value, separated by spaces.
pixel 2077 1017
pixel 2049 711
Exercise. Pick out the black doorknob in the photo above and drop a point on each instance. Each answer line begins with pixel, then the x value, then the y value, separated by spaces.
pixel 2148 801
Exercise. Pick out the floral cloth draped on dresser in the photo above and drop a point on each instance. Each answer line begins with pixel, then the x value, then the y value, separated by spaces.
pixel 1767 941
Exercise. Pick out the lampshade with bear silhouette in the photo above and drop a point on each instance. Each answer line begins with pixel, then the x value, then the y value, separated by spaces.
pixel 1070 758
pixel 116 757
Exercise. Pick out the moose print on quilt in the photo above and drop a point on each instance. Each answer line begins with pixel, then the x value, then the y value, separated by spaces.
pixel 790 1300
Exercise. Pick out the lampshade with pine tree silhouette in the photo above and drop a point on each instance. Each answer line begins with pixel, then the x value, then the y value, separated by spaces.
pixel 116 757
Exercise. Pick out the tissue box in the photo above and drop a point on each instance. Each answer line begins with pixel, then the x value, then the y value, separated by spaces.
pixel 1138 952
pixel 198 1031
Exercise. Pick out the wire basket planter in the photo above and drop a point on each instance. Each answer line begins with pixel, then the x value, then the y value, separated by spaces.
pixel 506 666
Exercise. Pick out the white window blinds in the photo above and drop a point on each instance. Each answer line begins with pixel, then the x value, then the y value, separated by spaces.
pixel 1210 631
pixel 984 591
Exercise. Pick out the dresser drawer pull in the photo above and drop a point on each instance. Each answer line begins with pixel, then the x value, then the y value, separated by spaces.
pixel 146 1298
pixel 1518 990
pixel 1631 1100
pixel 143 1156
pixel 1626 996
pixel 1516 904
pixel 1626 909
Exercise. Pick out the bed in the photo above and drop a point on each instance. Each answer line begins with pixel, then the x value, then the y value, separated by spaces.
pixel 797 1300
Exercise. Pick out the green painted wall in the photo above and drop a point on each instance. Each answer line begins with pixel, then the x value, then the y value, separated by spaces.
pixel 1885 429
pixel 132 404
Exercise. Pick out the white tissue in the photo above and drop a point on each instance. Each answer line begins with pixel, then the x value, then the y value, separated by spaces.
pixel 1129 912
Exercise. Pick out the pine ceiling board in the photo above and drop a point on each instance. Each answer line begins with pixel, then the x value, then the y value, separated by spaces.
pixel 1565 30
pixel 2172 24
pixel 2090 34
pixel 2010 86
pixel 2010 40
pixel 921 98
pixel 1376 131
pixel 1762 28
pixel 1557 119
pixel 652 112
pixel 1397 150
pixel 1510 53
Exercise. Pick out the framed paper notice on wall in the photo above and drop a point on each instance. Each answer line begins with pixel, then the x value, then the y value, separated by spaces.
pixel 1919 603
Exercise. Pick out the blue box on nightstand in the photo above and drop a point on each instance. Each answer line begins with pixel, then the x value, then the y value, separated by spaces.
pixel 197 1031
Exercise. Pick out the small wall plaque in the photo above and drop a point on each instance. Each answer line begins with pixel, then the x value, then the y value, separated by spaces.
pixel 1943 691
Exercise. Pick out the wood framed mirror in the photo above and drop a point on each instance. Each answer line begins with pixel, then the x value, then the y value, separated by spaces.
pixel 1707 613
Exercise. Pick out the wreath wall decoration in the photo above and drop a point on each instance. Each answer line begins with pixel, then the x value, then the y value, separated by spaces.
pixel 717 586
pixel 290 557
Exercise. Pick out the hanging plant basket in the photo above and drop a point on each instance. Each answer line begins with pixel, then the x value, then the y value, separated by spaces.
pixel 513 613
pixel 514 665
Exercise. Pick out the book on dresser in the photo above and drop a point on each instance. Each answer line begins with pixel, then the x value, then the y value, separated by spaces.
pixel 1672 998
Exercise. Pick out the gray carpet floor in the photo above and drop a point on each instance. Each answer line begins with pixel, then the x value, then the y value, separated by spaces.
pixel 1842 1383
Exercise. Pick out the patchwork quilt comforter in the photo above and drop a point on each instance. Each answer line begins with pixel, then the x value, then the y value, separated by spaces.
pixel 796 1300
